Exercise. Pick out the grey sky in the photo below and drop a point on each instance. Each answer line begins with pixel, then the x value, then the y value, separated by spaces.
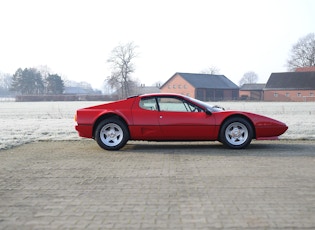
pixel 75 37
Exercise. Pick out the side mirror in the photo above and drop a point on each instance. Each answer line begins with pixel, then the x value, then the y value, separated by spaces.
pixel 219 107
pixel 208 112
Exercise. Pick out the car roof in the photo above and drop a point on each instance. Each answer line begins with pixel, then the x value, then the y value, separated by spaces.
pixel 160 94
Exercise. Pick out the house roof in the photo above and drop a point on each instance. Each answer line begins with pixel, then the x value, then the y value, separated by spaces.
pixel 209 81
pixel 292 80
pixel 252 87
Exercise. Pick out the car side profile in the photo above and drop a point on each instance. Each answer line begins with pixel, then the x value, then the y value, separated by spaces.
pixel 172 117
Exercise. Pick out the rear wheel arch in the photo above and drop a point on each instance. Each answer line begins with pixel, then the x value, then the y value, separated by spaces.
pixel 111 132
pixel 107 116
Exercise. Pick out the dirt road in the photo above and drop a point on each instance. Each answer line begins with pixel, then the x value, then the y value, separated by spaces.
pixel 75 184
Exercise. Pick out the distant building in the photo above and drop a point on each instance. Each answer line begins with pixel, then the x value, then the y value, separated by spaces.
pixel 205 87
pixel 80 91
pixel 142 89
pixel 290 86
pixel 252 91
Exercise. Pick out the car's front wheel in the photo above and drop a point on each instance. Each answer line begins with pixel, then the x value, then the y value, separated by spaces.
pixel 111 134
pixel 236 133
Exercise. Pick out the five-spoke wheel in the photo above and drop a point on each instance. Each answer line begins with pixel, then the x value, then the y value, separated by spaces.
pixel 111 134
pixel 236 133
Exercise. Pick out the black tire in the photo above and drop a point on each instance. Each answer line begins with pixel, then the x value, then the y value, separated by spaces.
pixel 236 133
pixel 111 134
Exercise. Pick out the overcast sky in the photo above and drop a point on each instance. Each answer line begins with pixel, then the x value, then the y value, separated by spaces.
pixel 74 38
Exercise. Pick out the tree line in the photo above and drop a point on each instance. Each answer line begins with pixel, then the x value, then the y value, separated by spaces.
pixel 30 81
pixel 121 61
pixel 38 81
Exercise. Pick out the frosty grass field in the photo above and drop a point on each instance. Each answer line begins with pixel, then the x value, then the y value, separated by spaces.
pixel 24 122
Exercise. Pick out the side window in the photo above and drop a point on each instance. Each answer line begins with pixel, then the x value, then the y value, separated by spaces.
pixel 193 108
pixel 148 104
pixel 176 105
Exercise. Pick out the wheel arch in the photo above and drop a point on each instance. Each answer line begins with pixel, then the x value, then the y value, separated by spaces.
pixel 238 116
pixel 107 116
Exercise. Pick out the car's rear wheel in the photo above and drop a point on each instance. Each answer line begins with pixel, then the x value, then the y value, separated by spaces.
pixel 236 133
pixel 112 134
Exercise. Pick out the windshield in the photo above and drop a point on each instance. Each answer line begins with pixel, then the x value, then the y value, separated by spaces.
pixel 212 108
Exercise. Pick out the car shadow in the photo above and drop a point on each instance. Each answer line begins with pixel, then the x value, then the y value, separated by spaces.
pixel 256 148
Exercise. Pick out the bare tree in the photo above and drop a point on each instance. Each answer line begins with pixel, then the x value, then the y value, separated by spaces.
pixel 5 83
pixel 302 53
pixel 44 70
pixel 211 70
pixel 158 84
pixel 5 80
pixel 121 60
pixel 248 78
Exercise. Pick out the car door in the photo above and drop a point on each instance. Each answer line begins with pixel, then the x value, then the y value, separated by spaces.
pixel 145 120
pixel 182 120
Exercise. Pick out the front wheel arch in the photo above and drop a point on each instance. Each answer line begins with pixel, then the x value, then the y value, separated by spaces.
pixel 239 116
pixel 239 123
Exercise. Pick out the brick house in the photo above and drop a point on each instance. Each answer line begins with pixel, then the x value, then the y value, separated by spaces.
pixel 305 69
pixel 290 86
pixel 252 91
pixel 205 87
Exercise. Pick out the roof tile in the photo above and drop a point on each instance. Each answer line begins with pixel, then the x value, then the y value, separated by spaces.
pixel 209 81
pixel 291 80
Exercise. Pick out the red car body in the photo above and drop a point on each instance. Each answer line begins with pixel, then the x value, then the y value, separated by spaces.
pixel 172 117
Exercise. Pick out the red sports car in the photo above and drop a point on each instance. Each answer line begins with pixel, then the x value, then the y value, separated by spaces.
pixel 172 117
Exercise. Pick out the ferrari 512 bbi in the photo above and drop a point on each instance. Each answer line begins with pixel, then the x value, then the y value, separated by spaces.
pixel 172 117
